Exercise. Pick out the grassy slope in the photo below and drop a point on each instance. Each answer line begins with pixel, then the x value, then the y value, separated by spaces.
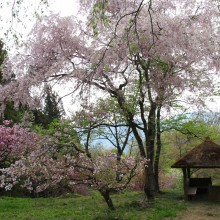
pixel 89 207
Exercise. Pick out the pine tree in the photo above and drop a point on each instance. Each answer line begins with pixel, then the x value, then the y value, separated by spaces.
pixel 53 109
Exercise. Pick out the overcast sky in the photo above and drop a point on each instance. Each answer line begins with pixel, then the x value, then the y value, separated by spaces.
pixel 26 19
pixel 65 7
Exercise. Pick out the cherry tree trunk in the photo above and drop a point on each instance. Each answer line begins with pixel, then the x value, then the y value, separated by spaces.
pixel 156 168
pixel 158 150
pixel 108 200
pixel 150 141
pixel 149 187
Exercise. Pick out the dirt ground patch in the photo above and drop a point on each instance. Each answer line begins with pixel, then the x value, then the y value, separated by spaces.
pixel 201 211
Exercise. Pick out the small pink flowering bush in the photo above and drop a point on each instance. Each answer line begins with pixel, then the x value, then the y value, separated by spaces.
pixel 15 142
pixel 167 181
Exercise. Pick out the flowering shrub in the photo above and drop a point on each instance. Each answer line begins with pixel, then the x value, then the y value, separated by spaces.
pixel 15 142
pixel 167 181
pixel 39 171
pixel 39 165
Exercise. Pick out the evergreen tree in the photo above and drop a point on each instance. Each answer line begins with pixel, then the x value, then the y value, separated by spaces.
pixel 53 109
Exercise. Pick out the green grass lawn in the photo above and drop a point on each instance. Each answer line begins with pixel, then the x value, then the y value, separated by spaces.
pixel 90 207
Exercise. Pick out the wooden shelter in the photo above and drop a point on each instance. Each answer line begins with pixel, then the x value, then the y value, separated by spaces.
pixel 205 155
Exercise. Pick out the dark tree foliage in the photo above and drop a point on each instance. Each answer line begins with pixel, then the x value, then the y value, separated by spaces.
pixel 53 109
pixel 3 54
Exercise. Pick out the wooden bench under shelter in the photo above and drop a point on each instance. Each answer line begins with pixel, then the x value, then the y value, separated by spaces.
pixel 191 191
pixel 206 155
pixel 197 184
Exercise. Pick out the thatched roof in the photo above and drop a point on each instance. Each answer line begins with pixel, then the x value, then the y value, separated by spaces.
pixel 205 155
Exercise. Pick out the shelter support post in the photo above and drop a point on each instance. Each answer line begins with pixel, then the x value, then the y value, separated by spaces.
pixel 188 173
pixel 185 182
